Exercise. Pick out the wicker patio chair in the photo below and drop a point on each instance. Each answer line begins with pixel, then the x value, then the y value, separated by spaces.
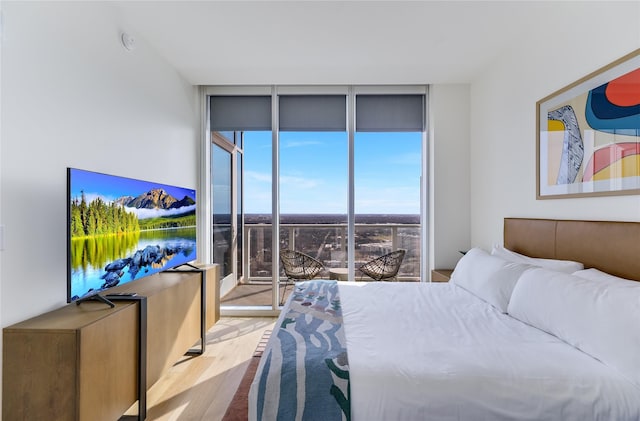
pixel 298 266
pixel 384 267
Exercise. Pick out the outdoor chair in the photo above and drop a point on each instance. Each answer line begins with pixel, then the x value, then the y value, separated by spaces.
pixel 298 266
pixel 384 267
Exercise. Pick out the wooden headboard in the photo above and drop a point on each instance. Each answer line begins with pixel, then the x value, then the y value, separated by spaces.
pixel 610 246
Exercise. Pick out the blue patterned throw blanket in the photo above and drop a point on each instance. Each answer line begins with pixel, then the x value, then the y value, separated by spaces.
pixel 305 372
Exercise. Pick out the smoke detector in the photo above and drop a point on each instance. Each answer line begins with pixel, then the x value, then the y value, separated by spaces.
pixel 128 42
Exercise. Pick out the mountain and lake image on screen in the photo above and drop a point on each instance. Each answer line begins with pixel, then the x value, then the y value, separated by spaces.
pixel 121 229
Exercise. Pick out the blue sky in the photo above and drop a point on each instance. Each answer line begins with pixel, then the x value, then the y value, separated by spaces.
pixel 313 172
pixel 111 187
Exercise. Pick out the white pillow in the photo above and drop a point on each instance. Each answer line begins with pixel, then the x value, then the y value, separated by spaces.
pixel 598 275
pixel 566 266
pixel 600 318
pixel 488 277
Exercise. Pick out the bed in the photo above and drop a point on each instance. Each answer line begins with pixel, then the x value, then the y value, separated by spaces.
pixel 546 327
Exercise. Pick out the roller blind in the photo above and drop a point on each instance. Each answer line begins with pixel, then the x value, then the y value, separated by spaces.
pixel 241 113
pixel 313 113
pixel 390 113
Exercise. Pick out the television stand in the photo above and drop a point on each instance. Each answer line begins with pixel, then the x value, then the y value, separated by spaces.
pixel 96 297
pixel 74 363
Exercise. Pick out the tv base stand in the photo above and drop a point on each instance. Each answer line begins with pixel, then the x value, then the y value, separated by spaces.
pixel 95 297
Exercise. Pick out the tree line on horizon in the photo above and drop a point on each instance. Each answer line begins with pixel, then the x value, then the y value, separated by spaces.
pixel 98 217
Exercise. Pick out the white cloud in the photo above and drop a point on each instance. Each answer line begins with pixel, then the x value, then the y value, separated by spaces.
pixel 391 200
pixel 407 159
pixel 300 143
pixel 156 213
pixel 257 176
pixel 299 182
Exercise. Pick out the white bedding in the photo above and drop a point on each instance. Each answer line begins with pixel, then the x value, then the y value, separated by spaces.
pixel 420 351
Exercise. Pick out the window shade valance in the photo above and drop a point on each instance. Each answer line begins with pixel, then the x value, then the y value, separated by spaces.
pixel 240 113
pixel 313 113
pixel 390 113
pixel 374 113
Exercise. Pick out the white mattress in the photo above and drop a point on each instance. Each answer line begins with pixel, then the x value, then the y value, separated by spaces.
pixel 420 351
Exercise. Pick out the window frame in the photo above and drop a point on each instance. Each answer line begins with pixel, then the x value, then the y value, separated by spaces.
pixel 351 91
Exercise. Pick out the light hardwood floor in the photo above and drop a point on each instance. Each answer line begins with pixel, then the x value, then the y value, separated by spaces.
pixel 201 388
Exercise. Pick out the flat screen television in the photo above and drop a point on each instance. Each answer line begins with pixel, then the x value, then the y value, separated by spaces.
pixel 121 229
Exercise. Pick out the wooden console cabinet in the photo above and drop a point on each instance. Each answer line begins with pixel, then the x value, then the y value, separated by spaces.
pixel 174 316
pixel 212 273
pixel 81 362
pixel 75 363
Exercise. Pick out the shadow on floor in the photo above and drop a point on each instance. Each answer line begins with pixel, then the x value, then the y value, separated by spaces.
pixel 254 295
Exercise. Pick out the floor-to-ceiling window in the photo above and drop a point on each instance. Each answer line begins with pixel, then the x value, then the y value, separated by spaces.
pixel 257 229
pixel 387 174
pixel 339 175
pixel 313 177
pixel 313 195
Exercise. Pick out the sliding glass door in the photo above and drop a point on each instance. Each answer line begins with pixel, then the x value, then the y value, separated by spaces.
pixel 224 224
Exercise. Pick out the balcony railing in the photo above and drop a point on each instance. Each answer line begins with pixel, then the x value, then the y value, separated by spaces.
pixel 328 243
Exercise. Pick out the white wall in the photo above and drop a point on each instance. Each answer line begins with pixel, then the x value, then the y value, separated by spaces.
pixel 449 174
pixel 581 39
pixel 73 97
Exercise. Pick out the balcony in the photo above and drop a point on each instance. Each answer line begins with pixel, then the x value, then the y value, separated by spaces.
pixel 328 243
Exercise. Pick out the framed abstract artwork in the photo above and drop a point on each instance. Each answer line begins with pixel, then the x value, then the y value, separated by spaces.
pixel 588 134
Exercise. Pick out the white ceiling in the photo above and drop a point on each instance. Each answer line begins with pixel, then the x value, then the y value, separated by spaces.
pixel 335 42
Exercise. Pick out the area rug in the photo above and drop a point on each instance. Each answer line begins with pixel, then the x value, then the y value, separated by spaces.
pixel 238 409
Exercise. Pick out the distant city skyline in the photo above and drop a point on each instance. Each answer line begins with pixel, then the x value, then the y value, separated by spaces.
pixel 332 219
pixel 314 173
